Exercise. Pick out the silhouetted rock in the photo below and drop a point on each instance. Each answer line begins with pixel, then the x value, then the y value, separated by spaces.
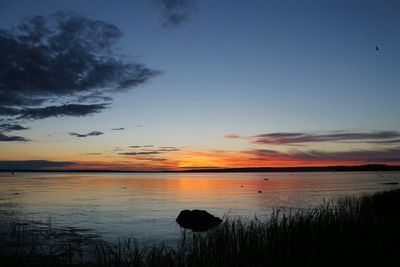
pixel 197 220
pixel 390 183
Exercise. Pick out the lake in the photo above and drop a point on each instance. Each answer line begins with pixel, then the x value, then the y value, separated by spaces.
pixel 145 205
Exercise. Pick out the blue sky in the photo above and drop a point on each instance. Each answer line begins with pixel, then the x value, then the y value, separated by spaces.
pixel 235 67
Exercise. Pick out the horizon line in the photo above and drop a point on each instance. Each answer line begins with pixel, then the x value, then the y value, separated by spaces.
pixel 327 168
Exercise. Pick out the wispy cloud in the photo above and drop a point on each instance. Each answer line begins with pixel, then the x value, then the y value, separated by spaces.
pixel 93 133
pixel 118 129
pixel 150 154
pixel 232 136
pixel 139 153
pixel 293 138
pixel 168 149
pixel 161 149
pixel 8 127
pixel 12 138
pixel 359 156
pixel 298 138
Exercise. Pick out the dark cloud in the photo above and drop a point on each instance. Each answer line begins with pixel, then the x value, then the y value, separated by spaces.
pixel 93 133
pixel 6 111
pixel 298 138
pixel 360 155
pixel 139 153
pixel 91 154
pixel 392 141
pixel 34 164
pixel 76 110
pixel 64 59
pixel 152 159
pixel 117 129
pixel 160 149
pixel 168 149
pixel 175 12
pixel 8 138
pixel 7 127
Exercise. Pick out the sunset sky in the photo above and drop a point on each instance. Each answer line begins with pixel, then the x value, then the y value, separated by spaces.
pixel 176 84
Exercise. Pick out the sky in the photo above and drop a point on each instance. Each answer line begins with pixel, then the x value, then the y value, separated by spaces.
pixel 187 84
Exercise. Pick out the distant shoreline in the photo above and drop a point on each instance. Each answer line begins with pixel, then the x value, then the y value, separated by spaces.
pixel 358 168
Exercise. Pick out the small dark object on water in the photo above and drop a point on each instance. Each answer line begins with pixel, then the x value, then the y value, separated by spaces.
pixel 197 220
pixel 124 188
pixel 16 193
pixel 259 191
pixel 266 179
pixel 390 183
pixel 241 186
pixel 12 172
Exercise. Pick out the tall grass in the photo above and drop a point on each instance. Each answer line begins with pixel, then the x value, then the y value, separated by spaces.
pixel 349 231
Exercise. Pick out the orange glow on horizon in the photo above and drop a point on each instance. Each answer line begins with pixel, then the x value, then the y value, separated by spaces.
pixel 184 160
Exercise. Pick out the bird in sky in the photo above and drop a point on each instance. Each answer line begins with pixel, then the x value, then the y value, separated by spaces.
pixel 377 48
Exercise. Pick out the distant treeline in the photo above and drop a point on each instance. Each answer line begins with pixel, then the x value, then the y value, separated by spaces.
pixel 358 168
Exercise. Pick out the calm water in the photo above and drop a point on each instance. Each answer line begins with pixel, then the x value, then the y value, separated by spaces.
pixel 146 205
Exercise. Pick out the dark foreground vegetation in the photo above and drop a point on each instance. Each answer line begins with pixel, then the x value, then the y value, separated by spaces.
pixel 351 231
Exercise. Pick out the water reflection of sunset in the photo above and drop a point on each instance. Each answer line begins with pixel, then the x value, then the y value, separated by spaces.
pixel 127 203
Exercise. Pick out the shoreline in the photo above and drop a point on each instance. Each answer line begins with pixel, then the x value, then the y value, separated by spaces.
pixel 339 168
pixel 357 230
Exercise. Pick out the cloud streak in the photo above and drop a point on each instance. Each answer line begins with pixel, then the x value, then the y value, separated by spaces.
pixel 93 133
pixel 327 157
pixel 7 127
pixel 141 146
pixel 288 138
pixel 139 153
pixel 12 138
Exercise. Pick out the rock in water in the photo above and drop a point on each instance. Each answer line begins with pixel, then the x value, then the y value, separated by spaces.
pixel 197 220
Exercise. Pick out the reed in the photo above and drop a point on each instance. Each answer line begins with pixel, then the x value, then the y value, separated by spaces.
pixel 356 231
